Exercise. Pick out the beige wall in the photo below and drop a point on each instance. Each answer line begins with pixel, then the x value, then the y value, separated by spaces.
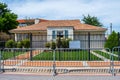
pixel 39 40
pixel 21 36
pixel 97 39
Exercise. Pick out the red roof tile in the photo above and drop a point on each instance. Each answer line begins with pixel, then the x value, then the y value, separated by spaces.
pixel 25 20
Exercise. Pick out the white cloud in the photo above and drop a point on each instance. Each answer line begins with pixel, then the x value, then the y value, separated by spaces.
pixel 106 11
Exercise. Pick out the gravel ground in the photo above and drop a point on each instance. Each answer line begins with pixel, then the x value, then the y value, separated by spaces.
pixel 58 77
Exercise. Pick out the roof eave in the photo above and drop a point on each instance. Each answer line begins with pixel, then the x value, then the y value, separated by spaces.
pixel 26 31
pixel 90 30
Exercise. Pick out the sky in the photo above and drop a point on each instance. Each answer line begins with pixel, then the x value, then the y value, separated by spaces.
pixel 107 11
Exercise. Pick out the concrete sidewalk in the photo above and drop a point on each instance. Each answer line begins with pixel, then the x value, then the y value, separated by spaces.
pixel 10 76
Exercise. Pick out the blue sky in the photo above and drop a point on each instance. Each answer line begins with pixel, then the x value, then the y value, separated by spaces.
pixel 107 11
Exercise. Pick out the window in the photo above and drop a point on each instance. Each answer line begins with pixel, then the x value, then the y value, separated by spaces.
pixel 66 33
pixel 53 34
pixel 60 33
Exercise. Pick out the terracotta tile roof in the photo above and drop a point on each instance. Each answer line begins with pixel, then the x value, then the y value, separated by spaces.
pixel 25 20
pixel 30 20
pixel 43 25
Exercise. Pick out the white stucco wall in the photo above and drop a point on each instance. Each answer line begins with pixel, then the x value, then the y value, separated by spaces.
pixel 50 29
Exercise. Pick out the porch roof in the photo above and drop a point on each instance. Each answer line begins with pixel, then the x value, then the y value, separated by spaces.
pixel 43 25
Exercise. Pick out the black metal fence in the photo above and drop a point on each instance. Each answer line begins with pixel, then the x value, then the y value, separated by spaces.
pixel 85 40
pixel 56 51
pixel 74 60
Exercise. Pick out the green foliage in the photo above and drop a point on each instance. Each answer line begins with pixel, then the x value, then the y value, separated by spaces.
pixel 65 42
pixel 53 45
pixel 91 20
pixel 10 44
pixel 26 43
pixel 112 41
pixel 7 18
pixel 60 43
pixel 19 44
pixel 47 45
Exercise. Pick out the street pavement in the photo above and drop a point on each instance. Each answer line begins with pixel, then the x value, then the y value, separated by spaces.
pixel 9 76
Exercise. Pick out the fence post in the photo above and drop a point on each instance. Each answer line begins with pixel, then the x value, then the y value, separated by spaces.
pixel 0 61
pixel 89 46
pixel 119 46
pixel 31 46
pixel 113 70
pixel 54 65
pixel 59 43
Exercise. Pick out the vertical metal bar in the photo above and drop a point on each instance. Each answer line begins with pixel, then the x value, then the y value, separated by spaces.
pixel 31 46
pixel 110 55
pixel 113 70
pixel 119 46
pixel 59 44
pixel 14 54
pixel 89 46
pixel 54 65
pixel 0 61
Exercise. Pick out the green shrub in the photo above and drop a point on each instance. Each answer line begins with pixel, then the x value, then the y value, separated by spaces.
pixel 10 44
pixel 64 42
pixel 47 44
pixel 67 42
pixel 53 45
pixel 19 44
pixel 26 43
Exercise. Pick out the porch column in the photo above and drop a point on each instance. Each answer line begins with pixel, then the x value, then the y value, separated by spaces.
pixel 16 37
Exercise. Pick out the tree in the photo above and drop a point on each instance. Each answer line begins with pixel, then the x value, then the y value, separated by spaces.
pixel 91 20
pixel 7 18
pixel 112 41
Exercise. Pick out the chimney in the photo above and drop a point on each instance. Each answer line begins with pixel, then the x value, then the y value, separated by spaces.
pixel 37 21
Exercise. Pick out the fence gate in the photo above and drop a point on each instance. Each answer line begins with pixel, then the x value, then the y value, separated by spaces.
pixel 115 58
pixel 82 61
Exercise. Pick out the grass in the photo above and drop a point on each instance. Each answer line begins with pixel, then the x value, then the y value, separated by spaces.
pixel 114 57
pixel 66 56
pixel 10 54
pixel 116 52
pixel 106 55
pixel 103 54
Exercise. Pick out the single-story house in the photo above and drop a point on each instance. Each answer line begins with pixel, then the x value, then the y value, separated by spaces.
pixel 47 30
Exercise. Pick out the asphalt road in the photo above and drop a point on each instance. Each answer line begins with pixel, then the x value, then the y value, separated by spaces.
pixel 59 77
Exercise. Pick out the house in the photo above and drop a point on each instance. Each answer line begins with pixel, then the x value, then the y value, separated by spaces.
pixel 48 30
